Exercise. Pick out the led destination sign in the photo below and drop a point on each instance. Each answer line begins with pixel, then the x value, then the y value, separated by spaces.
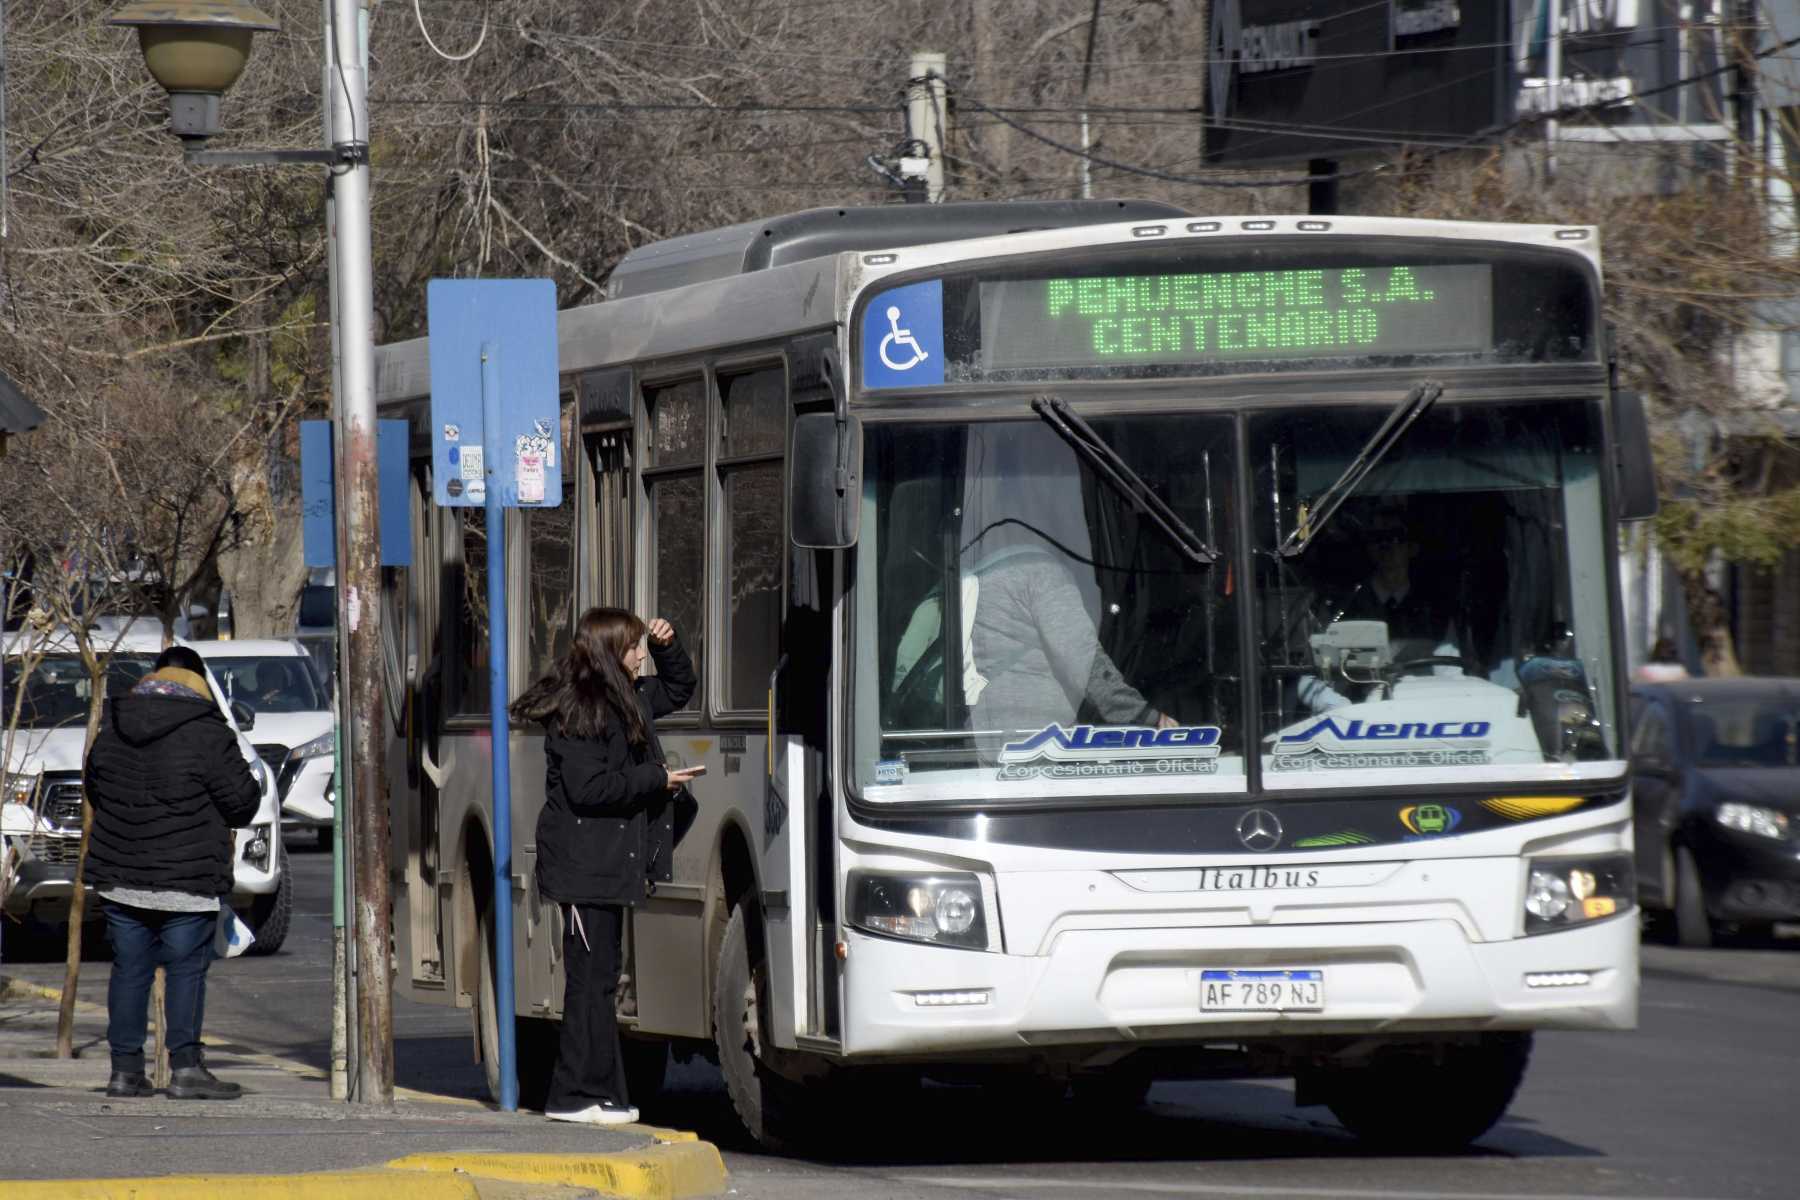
pixel 1329 312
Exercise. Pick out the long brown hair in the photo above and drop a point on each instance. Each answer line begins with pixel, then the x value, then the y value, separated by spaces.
pixel 590 681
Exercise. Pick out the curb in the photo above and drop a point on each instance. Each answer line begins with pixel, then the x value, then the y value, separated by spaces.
pixel 666 1171
pixel 347 1185
pixel 673 1170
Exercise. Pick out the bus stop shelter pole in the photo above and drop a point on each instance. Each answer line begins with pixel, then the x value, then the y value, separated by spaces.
pixel 500 724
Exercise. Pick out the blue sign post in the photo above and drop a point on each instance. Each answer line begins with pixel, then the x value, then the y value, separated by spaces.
pixel 495 432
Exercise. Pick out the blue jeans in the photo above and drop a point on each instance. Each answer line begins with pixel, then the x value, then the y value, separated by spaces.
pixel 144 939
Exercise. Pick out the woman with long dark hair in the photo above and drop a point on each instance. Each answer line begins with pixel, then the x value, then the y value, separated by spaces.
pixel 608 824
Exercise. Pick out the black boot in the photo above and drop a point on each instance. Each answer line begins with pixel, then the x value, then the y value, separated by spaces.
pixel 129 1083
pixel 198 1083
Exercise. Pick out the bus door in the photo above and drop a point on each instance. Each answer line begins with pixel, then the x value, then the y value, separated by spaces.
pixel 427 887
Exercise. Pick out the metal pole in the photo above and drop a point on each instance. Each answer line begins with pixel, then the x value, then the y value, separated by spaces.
pixel 925 114
pixel 342 1022
pixel 500 723
pixel 1553 85
pixel 359 570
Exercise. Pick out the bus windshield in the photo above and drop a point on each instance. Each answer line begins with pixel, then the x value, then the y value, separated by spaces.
pixel 1452 617
pixel 1027 628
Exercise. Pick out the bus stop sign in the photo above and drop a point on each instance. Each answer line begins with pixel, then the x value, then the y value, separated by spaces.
pixel 494 336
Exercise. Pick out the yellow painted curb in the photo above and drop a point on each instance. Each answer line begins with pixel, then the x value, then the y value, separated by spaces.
pixel 669 1171
pixel 327 1185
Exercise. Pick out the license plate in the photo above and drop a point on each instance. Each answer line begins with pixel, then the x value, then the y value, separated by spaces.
pixel 1262 991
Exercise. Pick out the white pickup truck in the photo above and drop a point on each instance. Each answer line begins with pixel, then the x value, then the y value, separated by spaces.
pixel 41 798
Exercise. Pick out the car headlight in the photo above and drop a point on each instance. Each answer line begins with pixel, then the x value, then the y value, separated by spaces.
pixel 322 746
pixel 18 788
pixel 1561 892
pixel 1752 818
pixel 945 910
pixel 256 850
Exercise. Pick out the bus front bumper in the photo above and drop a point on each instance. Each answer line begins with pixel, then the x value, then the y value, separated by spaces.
pixel 1142 986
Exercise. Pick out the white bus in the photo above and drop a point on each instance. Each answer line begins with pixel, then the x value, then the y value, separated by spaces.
pixel 1131 646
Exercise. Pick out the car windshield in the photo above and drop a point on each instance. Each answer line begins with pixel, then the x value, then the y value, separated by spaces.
pixel 1024 628
pixel 268 685
pixel 1745 732
pixel 58 692
pixel 1452 616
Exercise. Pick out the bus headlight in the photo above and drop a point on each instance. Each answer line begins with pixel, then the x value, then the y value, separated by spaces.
pixel 945 910
pixel 1561 892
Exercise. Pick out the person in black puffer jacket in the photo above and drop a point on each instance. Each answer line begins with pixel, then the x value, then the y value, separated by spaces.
pixel 609 824
pixel 167 784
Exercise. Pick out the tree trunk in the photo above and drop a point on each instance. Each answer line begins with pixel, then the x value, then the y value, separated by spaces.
pixel 1711 625
pixel 65 1013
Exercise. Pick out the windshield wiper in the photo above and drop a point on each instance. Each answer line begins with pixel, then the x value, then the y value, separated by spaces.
pixel 1422 397
pixel 1106 462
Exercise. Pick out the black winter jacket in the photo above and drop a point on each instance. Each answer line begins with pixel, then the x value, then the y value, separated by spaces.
pixel 608 821
pixel 167 784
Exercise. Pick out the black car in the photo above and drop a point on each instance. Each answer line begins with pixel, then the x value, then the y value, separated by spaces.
pixel 1716 798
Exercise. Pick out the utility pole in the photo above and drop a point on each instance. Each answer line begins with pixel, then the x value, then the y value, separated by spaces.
pixel 925 114
pixel 1087 76
pixel 343 991
pixel 1552 85
pixel 359 569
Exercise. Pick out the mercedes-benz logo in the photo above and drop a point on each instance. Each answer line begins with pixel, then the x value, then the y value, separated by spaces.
pixel 1259 829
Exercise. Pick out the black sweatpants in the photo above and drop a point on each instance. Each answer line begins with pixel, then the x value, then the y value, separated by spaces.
pixel 588 1067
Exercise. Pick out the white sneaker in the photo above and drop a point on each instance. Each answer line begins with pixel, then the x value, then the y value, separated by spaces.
pixel 606 1113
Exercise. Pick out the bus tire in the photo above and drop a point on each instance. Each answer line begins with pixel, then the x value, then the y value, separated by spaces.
pixel 646 1063
pixel 766 1104
pixel 534 1040
pixel 270 915
pixel 1423 1104
pixel 1693 927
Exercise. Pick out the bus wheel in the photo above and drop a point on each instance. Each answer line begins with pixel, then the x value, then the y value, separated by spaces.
pixel 534 1040
pixel 766 1104
pixel 1424 1104
pixel 646 1062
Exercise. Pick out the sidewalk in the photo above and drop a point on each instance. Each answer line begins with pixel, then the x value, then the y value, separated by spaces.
pixel 287 1138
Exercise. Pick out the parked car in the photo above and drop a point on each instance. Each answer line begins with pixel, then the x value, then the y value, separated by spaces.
pixel 41 797
pixel 296 731
pixel 1716 798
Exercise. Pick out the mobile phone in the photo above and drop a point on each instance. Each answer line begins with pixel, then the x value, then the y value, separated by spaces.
pixel 696 769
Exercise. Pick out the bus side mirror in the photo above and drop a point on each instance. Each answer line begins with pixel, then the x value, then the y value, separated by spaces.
pixel 825 481
pixel 1634 471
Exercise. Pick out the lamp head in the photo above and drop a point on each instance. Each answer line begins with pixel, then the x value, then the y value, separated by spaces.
pixel 195 49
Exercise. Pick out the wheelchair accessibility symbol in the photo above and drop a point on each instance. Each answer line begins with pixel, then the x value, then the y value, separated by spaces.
pixel 898 337
pixel 903 337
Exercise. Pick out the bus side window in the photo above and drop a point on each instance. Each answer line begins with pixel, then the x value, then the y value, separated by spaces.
pixel 550 572
pixel 675 490
pixel 751 445
pixel 467 599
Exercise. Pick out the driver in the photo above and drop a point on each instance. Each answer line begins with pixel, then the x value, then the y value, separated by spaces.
pixel 1420 623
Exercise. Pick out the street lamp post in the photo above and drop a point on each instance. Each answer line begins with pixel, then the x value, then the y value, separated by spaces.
pixel 196 49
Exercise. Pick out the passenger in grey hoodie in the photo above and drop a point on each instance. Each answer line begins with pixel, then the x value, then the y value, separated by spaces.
pixel 1031 600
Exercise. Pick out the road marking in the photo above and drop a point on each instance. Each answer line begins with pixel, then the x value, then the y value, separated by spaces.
pixel 1029 1186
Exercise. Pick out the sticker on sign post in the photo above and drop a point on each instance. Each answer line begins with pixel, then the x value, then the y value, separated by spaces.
pixel 471 462
pixel 529 472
